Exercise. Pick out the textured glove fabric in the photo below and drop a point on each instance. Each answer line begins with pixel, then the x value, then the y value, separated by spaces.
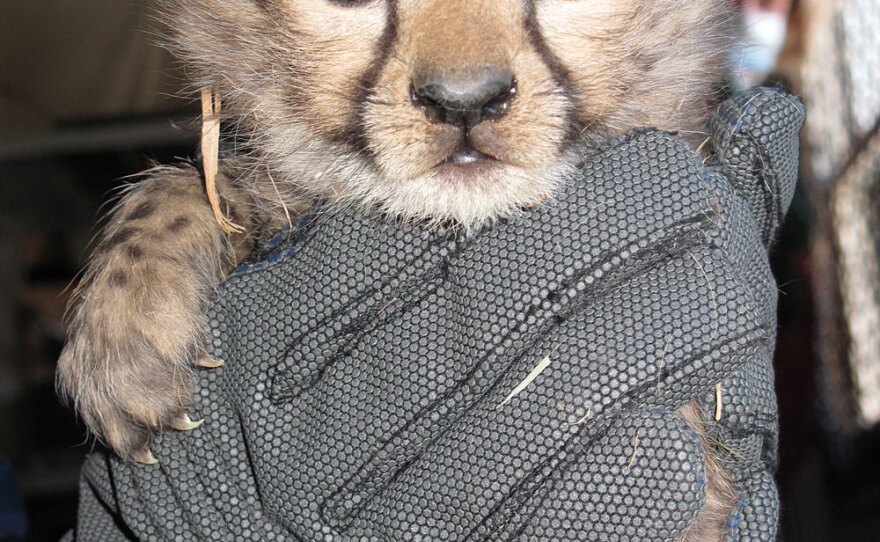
pixel 756 135
pixel 395 382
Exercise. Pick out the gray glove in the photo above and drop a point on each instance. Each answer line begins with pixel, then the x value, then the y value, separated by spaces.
pixel 389 382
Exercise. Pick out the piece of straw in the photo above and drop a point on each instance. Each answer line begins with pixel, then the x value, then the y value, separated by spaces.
pixel 632 459
pixel 211 107
pixel 536 372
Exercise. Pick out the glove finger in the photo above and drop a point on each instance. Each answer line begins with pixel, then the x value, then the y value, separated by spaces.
pixel 636 197
pixel 351 289
pixel 329 341
pixel 629 348
pixel 756 137
pixel 605 214
pixel 740 240
pixel 757 512
pixel 745 403
pixel 746 432
pixel 645 479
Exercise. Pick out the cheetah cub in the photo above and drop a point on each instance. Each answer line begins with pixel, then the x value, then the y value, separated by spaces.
pixel 448 110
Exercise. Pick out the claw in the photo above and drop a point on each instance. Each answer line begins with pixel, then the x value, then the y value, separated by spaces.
pixel 185 423
pixel 209 363
pixel 146 457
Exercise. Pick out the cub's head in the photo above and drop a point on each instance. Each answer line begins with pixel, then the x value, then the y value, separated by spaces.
pixel 447 109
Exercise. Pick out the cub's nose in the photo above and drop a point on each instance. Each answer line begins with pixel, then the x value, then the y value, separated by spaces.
pixel 464 97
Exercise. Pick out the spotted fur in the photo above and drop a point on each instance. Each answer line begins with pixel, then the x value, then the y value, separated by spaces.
pixel 319 94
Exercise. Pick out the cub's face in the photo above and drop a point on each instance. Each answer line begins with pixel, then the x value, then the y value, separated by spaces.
pixel 458 110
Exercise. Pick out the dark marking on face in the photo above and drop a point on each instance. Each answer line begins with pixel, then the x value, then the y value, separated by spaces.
pixel 644 62
pixel 561 75
pixel 135 252
pixel 142 211
pixel 178 224
pixel 354 134
pixel 265 5
pixel 117 279
pixel 122 236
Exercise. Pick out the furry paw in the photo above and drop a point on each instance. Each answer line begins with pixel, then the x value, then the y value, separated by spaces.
pixel 135 336
pixel 129 361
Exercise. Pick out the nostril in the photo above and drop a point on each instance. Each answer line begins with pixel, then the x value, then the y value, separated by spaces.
pixel 500 104
pixel 463 97
pixel 433 110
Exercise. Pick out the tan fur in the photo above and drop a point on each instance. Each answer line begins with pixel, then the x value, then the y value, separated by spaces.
pixel 291 69
pixel 320 95
pixel 720 498
pixel 137 323
pixel 639 63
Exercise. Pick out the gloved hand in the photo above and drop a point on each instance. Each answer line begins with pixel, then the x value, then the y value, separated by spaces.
pixel 389 382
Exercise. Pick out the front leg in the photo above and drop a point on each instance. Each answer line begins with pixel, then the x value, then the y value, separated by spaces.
pixel 135 333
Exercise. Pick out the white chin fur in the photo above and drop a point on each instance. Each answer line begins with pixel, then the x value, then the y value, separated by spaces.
pixel 317 169
pixel 469 200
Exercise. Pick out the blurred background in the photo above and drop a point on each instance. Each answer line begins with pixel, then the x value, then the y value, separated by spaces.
pixel 86 99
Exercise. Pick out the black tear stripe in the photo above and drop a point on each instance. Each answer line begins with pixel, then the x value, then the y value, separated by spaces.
pixel 354 135
pixel 561 74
